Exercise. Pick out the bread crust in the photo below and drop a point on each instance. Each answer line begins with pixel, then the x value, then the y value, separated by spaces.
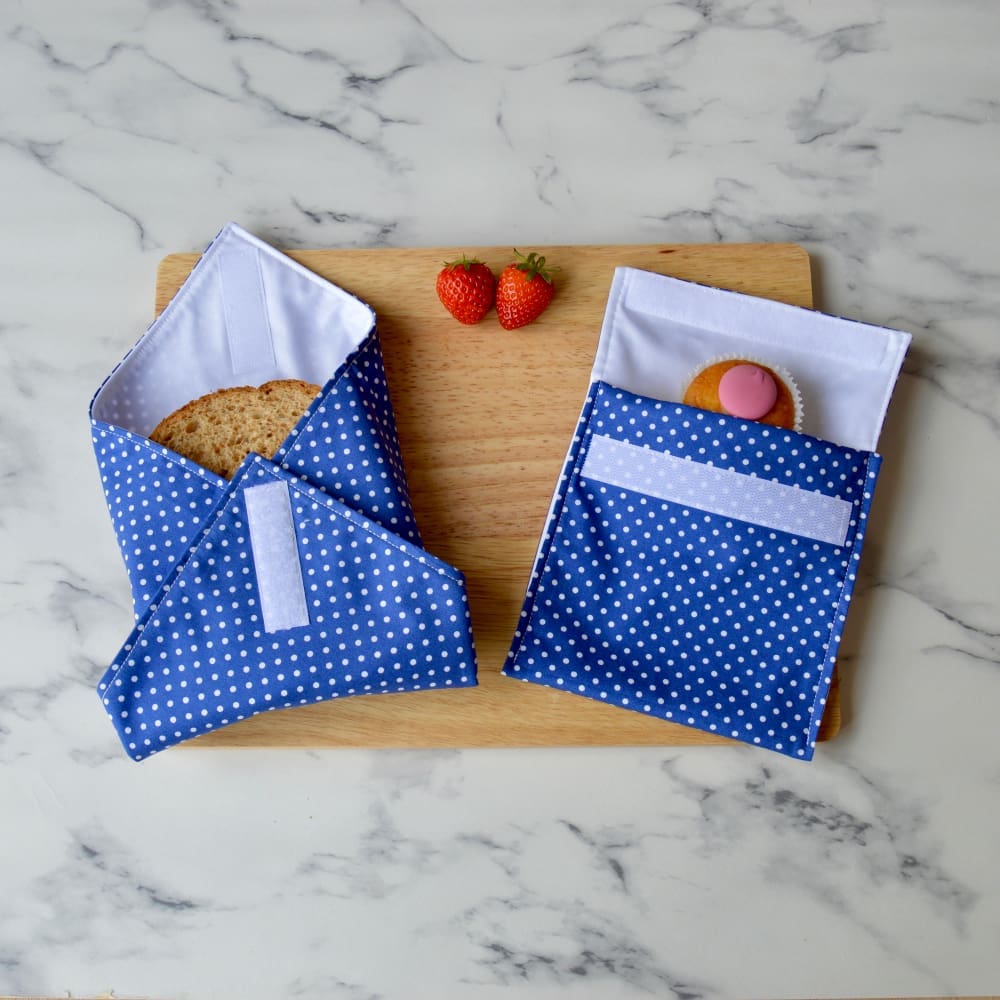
pixel 218 430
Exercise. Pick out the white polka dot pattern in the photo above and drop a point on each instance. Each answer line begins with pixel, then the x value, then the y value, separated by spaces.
pixel 371 611
pixel 158 503
pixel 673 611
pixel 384 616
pixel 346 444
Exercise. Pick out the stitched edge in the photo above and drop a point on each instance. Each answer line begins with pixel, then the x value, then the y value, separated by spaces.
pixel 161 451
pixel 570 469
pixel 340 375
pixel 840 606
pixel 342 511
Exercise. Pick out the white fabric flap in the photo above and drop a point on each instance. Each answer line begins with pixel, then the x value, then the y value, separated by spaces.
pixel 246 314
pixel 658 330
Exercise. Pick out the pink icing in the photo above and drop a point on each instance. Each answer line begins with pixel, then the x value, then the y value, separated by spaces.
pixel 747 391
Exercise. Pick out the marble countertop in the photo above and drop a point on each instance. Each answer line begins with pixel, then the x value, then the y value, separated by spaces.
pixel 869 132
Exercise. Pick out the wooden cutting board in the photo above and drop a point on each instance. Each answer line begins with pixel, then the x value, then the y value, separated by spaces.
pixel 485 417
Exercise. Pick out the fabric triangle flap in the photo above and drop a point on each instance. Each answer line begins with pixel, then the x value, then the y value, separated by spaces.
pixel 380 616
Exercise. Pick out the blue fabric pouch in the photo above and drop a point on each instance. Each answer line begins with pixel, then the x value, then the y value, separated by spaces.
pixel 303 578
pixel 698 567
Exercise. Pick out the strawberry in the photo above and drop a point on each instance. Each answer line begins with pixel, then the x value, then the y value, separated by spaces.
pixel 466 288
pixel 524 290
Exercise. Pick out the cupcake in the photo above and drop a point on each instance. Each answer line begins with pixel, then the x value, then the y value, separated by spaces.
pixel 746 389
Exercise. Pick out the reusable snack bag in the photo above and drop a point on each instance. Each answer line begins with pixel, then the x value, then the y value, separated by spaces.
pixel 696 566
pixel 301 579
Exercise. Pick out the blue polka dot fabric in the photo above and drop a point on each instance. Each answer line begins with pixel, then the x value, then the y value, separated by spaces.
pixel 384 617
pixel 658 589
pixel 158 502
pixel 346 443
pixel 325 591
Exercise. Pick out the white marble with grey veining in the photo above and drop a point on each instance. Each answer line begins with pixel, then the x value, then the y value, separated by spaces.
pixel 868 131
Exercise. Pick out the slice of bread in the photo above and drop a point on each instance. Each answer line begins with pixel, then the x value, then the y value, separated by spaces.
pixel 220 429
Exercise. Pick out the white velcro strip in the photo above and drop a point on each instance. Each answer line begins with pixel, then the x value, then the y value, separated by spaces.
pixel 718 491
pixel 276 556
pixel 248 326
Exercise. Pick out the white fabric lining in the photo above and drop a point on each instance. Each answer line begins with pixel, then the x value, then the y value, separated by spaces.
pixel 657 330
pixel 312 327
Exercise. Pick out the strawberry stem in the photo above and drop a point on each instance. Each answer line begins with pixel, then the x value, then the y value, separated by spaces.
pixel 463 261
pixel 532 265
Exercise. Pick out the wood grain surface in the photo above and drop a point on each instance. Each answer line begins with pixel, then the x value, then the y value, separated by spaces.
pixel 485 417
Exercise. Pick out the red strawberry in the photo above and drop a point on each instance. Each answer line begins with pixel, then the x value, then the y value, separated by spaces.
pixel 466 288
pixel 524 291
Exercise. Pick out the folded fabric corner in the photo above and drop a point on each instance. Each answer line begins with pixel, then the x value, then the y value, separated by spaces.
pixel 287 597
